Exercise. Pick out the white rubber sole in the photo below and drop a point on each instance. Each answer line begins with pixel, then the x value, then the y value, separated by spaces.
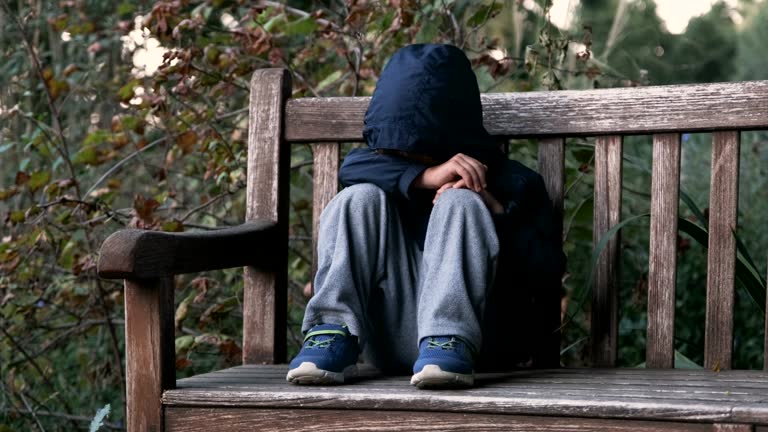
pixel 431 376
pixel 309 373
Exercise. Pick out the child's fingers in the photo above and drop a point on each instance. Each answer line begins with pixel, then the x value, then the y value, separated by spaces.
pixel 461 184
pixel 476 169
pixel 442 189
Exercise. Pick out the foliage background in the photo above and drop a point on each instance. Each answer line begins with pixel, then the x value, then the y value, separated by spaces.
pixel 89 144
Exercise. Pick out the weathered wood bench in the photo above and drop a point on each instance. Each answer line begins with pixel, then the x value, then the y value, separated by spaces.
pixel 255 396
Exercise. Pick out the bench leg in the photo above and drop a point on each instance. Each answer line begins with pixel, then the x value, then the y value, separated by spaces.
pixel 150 354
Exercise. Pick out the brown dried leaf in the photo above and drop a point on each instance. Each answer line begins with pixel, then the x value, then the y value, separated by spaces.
pixel 21 178
pixel 187 141
pixel 183 363
pixel 201 284
pixel 145 208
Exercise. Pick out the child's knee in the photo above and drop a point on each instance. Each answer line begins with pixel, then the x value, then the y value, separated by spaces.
pixel 366 194
pixel 460 200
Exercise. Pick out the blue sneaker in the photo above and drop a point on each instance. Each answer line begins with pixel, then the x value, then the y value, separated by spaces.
pixel 328 356
pixel 444 362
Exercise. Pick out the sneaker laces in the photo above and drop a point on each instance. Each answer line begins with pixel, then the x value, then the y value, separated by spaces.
pixel 433 343
pixel 317 343
pixel 315 339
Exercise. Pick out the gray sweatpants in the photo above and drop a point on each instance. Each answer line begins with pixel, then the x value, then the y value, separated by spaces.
pixel 372 276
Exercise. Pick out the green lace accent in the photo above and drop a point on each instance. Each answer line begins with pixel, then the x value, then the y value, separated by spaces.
pixel 321 344
pixel 448 345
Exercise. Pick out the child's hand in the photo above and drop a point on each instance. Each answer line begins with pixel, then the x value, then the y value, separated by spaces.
pixel 458 168
pixel 490 201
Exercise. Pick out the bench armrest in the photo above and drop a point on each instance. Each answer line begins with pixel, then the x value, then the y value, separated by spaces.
pixel 140 254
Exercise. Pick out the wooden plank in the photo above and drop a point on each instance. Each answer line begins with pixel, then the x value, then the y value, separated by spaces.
pixel 265 294
pixel 686 395
pixel 263 420
pixel 693 376
pixel 325 184
pixel 723 427
pixel 665 188
pixel 662 389
pixel 642 110
pixel 546 352
pixel 607 213
pixel 765 341
pixel 149 351
pixel 591 392
pixel 566 406
pixel 721 256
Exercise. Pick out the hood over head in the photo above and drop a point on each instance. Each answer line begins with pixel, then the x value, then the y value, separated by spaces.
pixel 427 103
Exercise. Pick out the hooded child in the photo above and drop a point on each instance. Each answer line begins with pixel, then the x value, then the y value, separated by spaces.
pixel 409 250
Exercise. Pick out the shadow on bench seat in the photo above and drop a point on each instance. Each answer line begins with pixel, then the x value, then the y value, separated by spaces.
pixel 235 399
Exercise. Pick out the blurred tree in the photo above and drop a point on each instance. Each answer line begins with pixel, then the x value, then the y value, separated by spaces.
pixel 707 50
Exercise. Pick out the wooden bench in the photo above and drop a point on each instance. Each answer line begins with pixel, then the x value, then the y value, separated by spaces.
pixel 255 396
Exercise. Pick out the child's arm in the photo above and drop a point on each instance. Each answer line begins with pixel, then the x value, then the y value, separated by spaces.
pixel 392 174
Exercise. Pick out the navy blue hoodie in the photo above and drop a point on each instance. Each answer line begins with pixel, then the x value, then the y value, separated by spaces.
pixel 427 103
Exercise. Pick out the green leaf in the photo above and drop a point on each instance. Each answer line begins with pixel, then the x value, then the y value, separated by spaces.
pixel 183 343
pixel 86 156
pixel 98 419
pixel 181 312
pixel 5 147
pixel 328 80
pixel 38 180
pixel 427 33
pixel 484 14
pixel 126 92
pixel 126 8
pixel 270 25
pixel 301 27
pixel 583 155
pixel 17 216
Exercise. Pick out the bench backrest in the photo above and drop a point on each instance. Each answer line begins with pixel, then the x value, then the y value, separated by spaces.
pixel 276 122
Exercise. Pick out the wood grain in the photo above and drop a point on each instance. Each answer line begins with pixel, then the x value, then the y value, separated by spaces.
pixel 265 294
pixel 765 340
pixel 722 427
pixel 630 394
pixel 643 110
pixel 149 345
pixel 607 213
pixel 665 190
pixel 325 185
pixel 264 420
pixel 140 254
pixel 721 256
pixel 552 169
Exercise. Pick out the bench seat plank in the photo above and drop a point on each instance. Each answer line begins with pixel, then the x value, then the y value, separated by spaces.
pixel 243 420
pixel 639 394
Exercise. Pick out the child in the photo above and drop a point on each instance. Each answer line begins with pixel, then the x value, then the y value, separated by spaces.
pixel 408 251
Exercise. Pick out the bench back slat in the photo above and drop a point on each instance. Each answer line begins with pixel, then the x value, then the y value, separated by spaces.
pixel 721 257
pixel 625 111
pixel 607 213
pixel 665 188
pixel 552 169
pixel 551 166
pixel 765 342
pixel 265 293
pixel 325 185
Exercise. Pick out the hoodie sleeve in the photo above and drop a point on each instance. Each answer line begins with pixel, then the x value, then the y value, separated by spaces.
pixel 392 174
